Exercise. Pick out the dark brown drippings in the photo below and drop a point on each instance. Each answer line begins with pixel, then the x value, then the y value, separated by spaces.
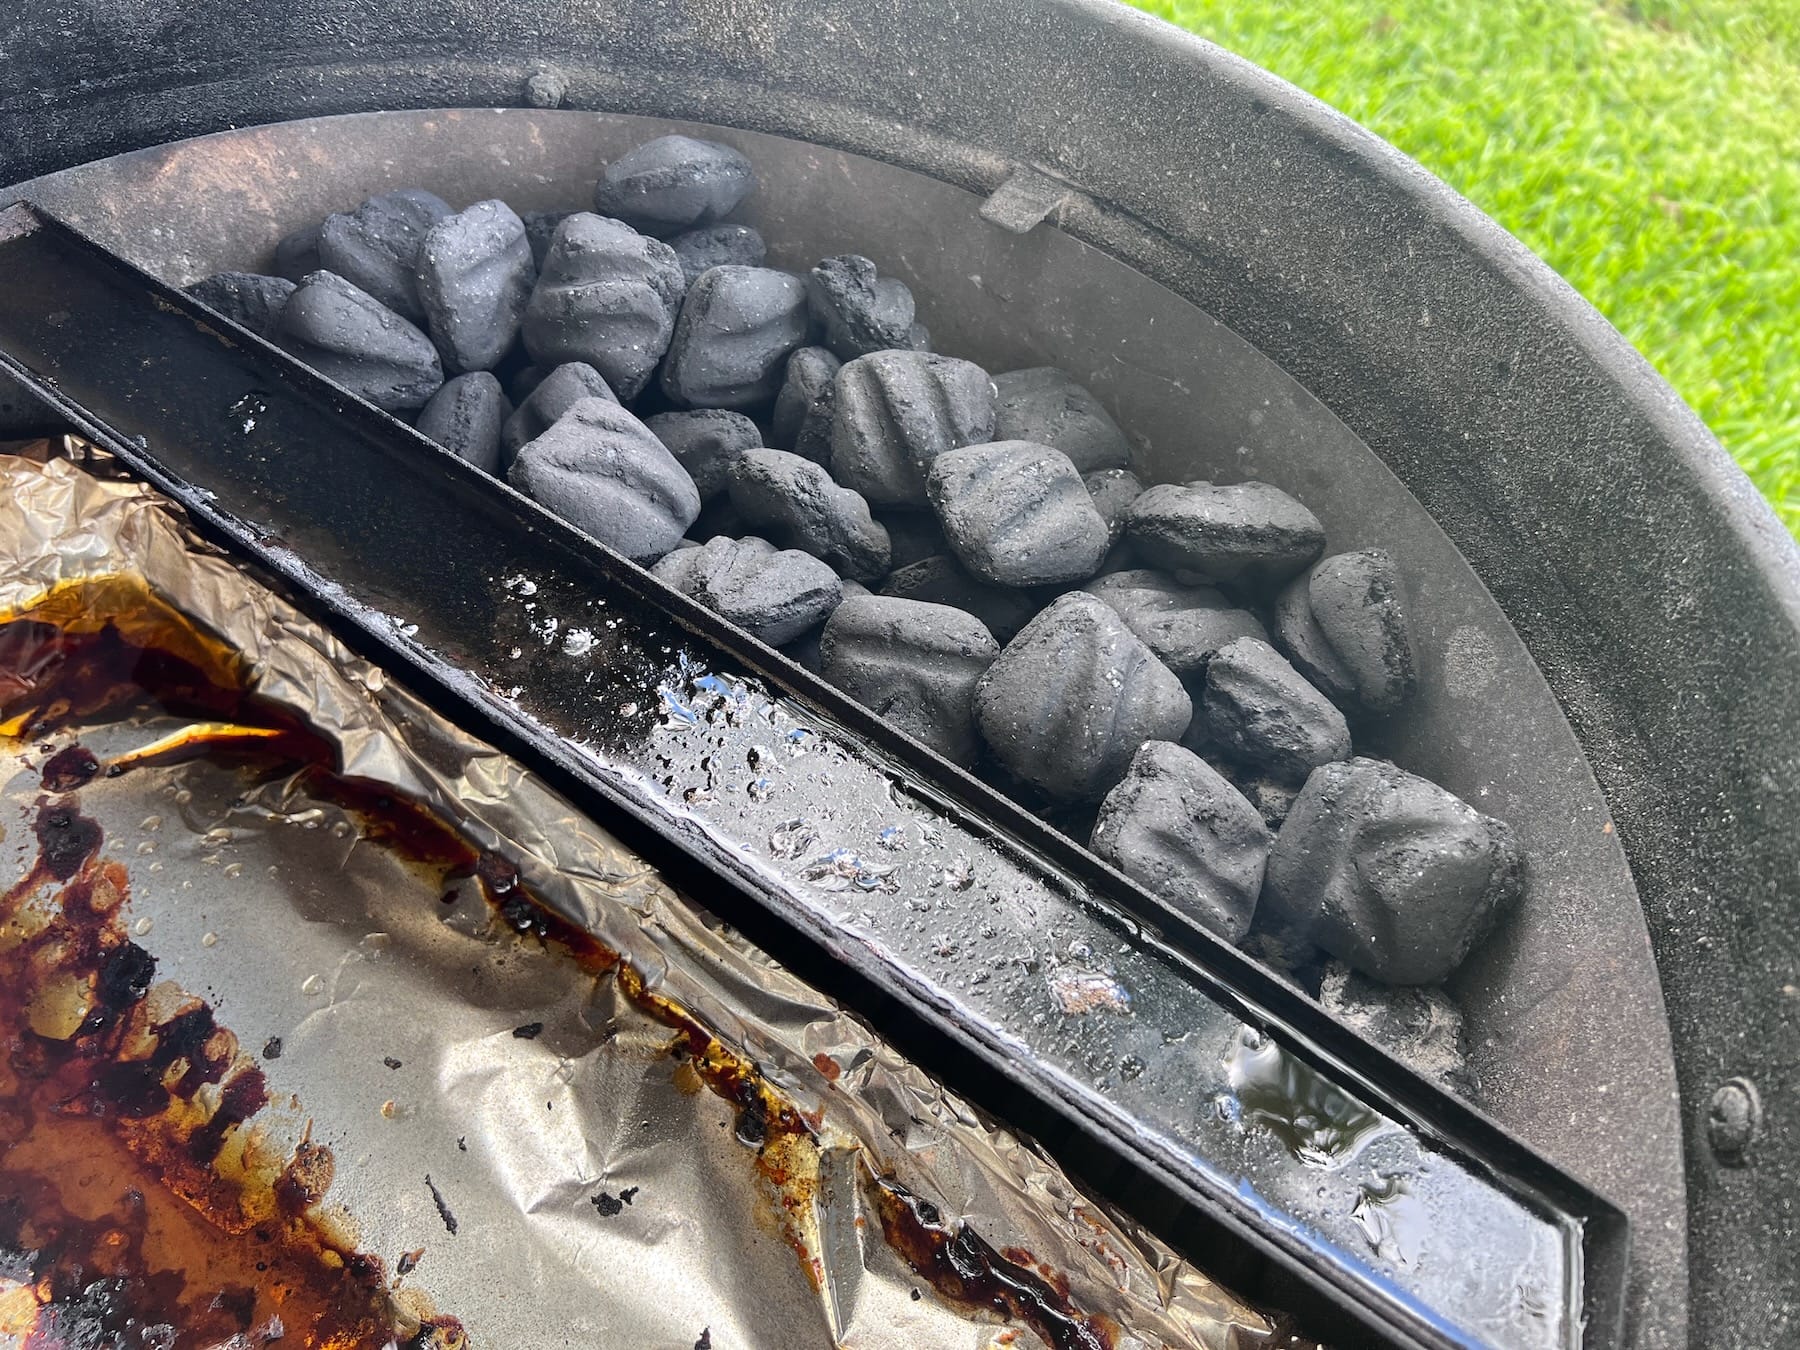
pixel 69 768
pixel 964 1269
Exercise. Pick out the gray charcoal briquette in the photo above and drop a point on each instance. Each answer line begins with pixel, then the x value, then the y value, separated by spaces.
pixel 804 650
pixel 1262 711
pixel 349 336
pixel 1017 514
pixel 1113 491
pixel 941 580
pixel 549 399
pixel 608 296
pixel 859 311
pixel 601 469
pixel 465 417
pixel 1178 828
pixel 706 441
pixel 1248 530
pixel 802 417
pixel 913 664
pixel 376 246
pixel 1389 872
pixel 895 412
pixel 1070 699
pixel 249 300
pixel 731 344
pixel 474 276
pixel 1183 625
pixel 297 255
pixel 1047 406
pixel 773 594
pixel 674 183
pixel 1344 624
pixel 794 502
pixel 713 246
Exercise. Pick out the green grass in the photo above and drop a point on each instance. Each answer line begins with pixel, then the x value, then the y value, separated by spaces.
pixel 1649 151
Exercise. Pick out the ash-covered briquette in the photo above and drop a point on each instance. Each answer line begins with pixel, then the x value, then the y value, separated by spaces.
pixel 1184 625
pixel 1047 406
pixel 549 399
pixel 376 246
pixel 1212 533
pixel 1344 626
pixel 674 183
pixel 941 580
pixel 1178 828
pixel 1017 514
pixel 349 336
pixel 248 299
pixel 737 328
pixel 608 296
pixel 602 470
pixel 1389 872
pixel 859 311
pixel 1068 701
pixel 706 441
pixel 1261 711
pixel 465 417
pixel 1113 491
pixel 474 276
pixel 713 246
pixel 896 412
pixel 912 663
pixel 803 408
pixel 772 594
pixel 794 502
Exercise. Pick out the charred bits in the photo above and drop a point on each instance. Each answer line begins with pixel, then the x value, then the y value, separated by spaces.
pixel 66 838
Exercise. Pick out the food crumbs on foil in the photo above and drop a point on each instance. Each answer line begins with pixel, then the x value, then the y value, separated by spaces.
pixel 579 982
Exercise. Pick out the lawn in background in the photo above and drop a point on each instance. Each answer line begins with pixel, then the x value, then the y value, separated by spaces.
pixel 1649 151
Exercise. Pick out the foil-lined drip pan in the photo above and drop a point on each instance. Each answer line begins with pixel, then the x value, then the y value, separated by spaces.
pixel 329 1023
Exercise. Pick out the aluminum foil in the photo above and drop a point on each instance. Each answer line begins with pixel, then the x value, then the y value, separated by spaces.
pixel 600 1194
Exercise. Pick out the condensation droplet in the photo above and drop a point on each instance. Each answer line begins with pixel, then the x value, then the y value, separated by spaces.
pixel 209 939
pixel 234 870
pixel 313 984
pixel 143 926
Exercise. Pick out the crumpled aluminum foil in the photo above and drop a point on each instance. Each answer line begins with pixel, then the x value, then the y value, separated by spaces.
pixel 601 1195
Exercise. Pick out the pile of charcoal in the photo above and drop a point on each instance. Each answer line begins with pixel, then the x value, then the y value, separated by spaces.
pixel 1175 668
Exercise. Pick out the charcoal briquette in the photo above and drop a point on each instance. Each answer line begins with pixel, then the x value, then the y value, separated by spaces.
pixel 941 580
pixel 706 441
pixel 1113 491
pixel 249 300
pixel 731 343
pixel 713 246
pixel 1344 626
pixel 1047 406
pixel 773 594
pixel 540 229
pixel 1017 514
pixel 1178 828
pixel 1069 700
pixel 674 183
pixel 548 400
pixel 802 417
pixel 859 311
pixel 1262 712
pixel 1183 625
pixel 913 664
pixel 297 255
pixel 1249 531
pixel 1390 873
pixel 474 276
pixel 794 502
pixel 602 470
pixel 804 650
pixel 896 412
pixel 376 246
pixel 608 296
pixel 349 336
pixel 465 417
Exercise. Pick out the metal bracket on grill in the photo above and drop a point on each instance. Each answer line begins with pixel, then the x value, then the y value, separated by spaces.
pixel 1152 1058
